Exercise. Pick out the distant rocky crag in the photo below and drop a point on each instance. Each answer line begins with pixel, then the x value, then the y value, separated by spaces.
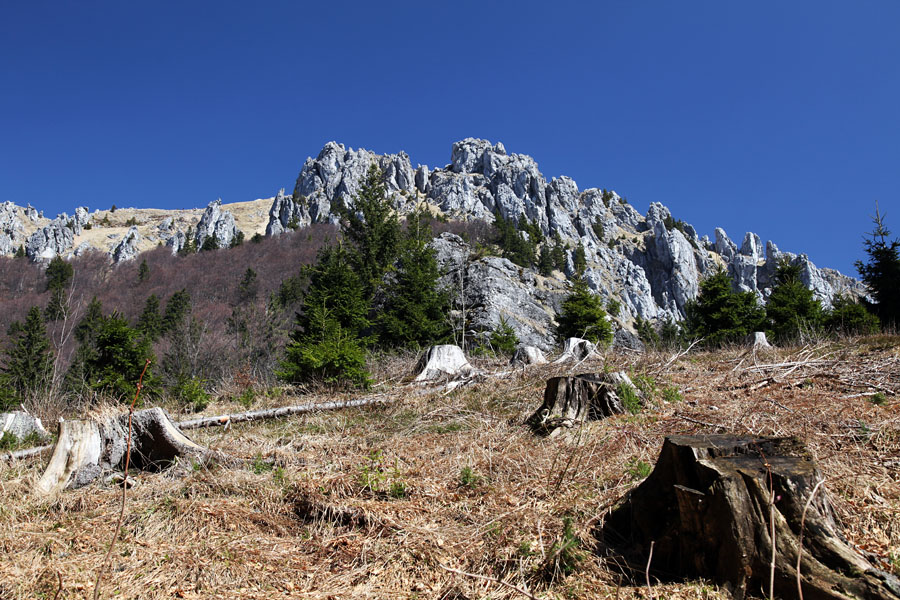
pixel 652 264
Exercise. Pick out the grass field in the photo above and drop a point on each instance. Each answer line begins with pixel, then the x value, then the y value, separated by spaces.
pixel 444 494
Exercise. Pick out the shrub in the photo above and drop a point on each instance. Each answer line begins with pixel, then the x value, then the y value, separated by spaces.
pixel 613 307
pixel 503 338
pixel 638 469
pixel 468 478
pixel 630 400
pixel 192 394
pixel 671 394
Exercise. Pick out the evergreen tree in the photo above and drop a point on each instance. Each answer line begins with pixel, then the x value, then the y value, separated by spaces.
pixel 579 260
pixel 414 311
pixel 177 307
pixel 86 335
pixel 143 271
pixel 211 242
pixel 118 358
pixel 59 273
pixel 150 323
pixel 328 343
pixel 249 286
pixel 513 244
pixel 558 253
pixel 720 315
pixel 504 339
pixel 29 362
pixel 545 261
pixel 791 308
pixel 20 252
pixel 882 271
pixel 849 317
pixel 583 316
pixel 373 229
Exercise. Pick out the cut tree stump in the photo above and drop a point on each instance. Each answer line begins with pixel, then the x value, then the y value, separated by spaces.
pixel 528 355
pixel 575 349
pixel 443 362
pixel 705 512
pixel 85 449
pixel 21 425
pixel 569 401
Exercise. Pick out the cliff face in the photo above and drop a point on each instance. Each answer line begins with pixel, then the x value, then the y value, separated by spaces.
pixel 652 264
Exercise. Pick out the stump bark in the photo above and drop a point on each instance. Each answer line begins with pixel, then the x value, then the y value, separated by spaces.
pixel 569 401
pixel 85 449
pixel 706 508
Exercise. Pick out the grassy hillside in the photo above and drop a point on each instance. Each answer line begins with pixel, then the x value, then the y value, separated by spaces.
pixel 380 502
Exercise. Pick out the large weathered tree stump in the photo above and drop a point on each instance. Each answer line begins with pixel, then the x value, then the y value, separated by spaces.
pixel 443 362
pixel 22 425
pixel 707 511
pixel 85 449
pixel 575 349
pixel 569 401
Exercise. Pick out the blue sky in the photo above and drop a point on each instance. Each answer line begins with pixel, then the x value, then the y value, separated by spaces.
pixel 781 118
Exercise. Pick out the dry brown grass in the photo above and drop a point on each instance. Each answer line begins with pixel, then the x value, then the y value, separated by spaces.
pixel 369 503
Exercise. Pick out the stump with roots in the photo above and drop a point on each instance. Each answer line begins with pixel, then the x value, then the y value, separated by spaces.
pixel 569 401
pixel 85 449
pixel 575 349
pixel 706 511
pixel 443 362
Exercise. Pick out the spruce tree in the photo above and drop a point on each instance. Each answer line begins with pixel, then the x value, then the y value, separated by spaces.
pixel 579 260
pixel 59 273
pixel 414 311
pixel 791 309
pixel 850 317
pixel 29 362
pixel 177 307
pixel 373 229
pixel 143 271
pixel 882 271
pixel 720 315
pixel 583 316
pixel 118 358
pixel 248 287
pixel 150 323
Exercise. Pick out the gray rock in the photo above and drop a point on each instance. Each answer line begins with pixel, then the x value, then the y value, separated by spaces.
pixel 127 248
pixel 752 247
pixel 177 241
pixel 12 230
pixel 422 179
pixel 48 242
pixel 166 225
pixel 285 213
pixel 81 218
pixel 217 224
pixel 724 246
pixel 32 213
pixel 623 339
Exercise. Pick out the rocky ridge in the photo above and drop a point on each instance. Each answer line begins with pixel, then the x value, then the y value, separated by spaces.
pixel 652 264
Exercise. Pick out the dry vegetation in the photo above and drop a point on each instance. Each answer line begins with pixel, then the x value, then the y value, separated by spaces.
pixel 381 502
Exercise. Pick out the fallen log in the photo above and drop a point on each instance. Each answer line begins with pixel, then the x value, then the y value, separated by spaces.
pixel 26 453
pixel 569 401
pixel 274 413
pixel 709 510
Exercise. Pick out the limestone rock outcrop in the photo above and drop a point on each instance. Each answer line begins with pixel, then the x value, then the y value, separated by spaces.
pixel 12 231
pixel 50 241
pixel 127 248
pixel 217 224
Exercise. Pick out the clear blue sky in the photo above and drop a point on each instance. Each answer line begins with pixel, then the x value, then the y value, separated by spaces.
pixel 778 117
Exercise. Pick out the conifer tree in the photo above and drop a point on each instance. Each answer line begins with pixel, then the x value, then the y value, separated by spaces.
pixel 882 271
pixel 59 273
pixel 414 311
pixel 177 307
pixel 29 362
pixel 720 315
pixel 373 229
pixel 118 358
pixel 791 308
pixel 579 260
pixel 150 323
pixel 583 316
pixel 248 287
pixel 143 271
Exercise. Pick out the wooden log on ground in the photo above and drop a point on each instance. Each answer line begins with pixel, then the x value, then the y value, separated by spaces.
pixel 85 449
pixel 274 413
pixel 569 401
pixel 707 512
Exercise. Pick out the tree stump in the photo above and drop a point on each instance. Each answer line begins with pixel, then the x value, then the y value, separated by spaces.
pixel 443 361
pixel 575 349
pixel 569 401
pixel 528 355
pixel 85 449
pixel 21 425
pixel 707 510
